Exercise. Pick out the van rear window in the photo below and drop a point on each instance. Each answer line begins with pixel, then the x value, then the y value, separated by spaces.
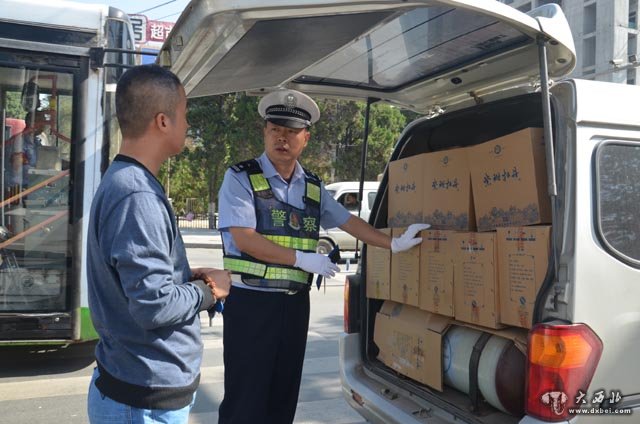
pixel 618 198
pixel 418 44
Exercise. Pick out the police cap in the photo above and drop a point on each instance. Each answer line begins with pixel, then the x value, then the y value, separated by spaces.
pixel 289 108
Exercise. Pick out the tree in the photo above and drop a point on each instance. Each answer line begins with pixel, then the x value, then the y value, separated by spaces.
pixel 385 125
pixel 227 129
pixel 331 137
pixel 13 105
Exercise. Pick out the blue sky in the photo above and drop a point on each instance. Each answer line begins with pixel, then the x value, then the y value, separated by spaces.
pixel 164 12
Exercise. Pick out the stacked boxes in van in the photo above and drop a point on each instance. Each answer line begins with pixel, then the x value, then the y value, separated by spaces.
pixel 379 271
pixel 510 194
pixel 405 275
pixel 436 271
pixel 479 266
pixel 510 181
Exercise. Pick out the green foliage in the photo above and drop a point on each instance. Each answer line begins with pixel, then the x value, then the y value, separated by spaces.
pixel 385 125
pixel 227 129
pixel 333 140
pixel 13 105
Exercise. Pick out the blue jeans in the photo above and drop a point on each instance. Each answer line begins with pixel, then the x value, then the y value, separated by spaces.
pixel 103 410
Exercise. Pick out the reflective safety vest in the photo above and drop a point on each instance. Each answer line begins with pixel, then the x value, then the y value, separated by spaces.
pixel 283 224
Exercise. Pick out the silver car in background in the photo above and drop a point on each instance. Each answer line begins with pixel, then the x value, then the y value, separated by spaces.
pixel 346 193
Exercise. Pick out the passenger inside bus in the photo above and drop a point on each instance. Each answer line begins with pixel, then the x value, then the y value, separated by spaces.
pixel 23 151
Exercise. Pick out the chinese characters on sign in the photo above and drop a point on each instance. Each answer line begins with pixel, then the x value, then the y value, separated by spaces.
pixel 501 176
pixel 405 188
pixel 147 31
pixel 159 30
pixel 445 184
pixel 139 24
pixel 598 397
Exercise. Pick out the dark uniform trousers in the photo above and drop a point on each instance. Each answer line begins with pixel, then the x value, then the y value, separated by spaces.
pixel 265 336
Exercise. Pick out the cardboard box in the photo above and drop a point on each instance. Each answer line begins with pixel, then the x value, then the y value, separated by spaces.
pixel 379 271
pixel 448 199
pixel 405 273
pixel 436 272
pixel 509 180
pixel 410 342
pixel 406 189
pixel 523 259
pixel 475 275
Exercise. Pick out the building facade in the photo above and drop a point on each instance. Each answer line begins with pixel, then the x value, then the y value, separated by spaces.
pixel 605 33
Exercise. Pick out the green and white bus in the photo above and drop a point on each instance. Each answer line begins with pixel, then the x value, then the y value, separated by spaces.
pixel 59 64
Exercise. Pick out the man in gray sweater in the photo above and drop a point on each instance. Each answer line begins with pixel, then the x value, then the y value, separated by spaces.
pixel 144 298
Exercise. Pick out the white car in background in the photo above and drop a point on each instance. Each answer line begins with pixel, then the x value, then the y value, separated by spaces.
pixel 346 193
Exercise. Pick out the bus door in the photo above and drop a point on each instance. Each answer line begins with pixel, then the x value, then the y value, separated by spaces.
pixel 37 105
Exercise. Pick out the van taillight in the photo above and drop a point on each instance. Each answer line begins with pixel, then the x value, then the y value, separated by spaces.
pixel 346 325
pixel 562 361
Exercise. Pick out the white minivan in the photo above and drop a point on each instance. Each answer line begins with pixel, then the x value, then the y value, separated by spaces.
pixel 346 193
pixel 476 70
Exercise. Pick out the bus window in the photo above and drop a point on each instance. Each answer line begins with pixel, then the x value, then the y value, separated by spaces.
pixel 119 36
pixel 34 213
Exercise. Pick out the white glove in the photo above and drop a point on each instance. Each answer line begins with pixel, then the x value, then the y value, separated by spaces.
pixel 316 264
pixel 408 239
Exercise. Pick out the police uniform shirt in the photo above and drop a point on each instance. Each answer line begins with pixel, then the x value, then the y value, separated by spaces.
pixel 238 210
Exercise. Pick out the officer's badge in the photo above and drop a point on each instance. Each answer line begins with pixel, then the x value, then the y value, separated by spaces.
pixel 294 221
pixel 290 100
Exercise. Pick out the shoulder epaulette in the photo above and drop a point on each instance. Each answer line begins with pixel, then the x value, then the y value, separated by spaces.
pixel 250 165
pixel 311 175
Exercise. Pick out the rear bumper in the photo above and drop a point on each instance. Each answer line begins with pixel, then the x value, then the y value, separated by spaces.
pixel 382 402
pixel 365 394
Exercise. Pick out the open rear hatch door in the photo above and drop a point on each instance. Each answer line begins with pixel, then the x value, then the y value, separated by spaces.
pixel 421 55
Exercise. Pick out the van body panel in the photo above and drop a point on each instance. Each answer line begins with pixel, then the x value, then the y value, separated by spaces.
pixel 596 106
pixel 605 290
pixel 596 287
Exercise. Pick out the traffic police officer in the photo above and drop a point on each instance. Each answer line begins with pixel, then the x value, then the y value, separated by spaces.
pixel 271 210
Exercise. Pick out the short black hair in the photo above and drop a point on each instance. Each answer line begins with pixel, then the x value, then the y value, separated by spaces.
pixel 142 93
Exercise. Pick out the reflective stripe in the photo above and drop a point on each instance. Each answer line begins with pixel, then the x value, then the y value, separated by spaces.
pixel 313 191
pixel 289 274
pixel 244 266
pixel 294 242
pixel 259 182
pixel 264 271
